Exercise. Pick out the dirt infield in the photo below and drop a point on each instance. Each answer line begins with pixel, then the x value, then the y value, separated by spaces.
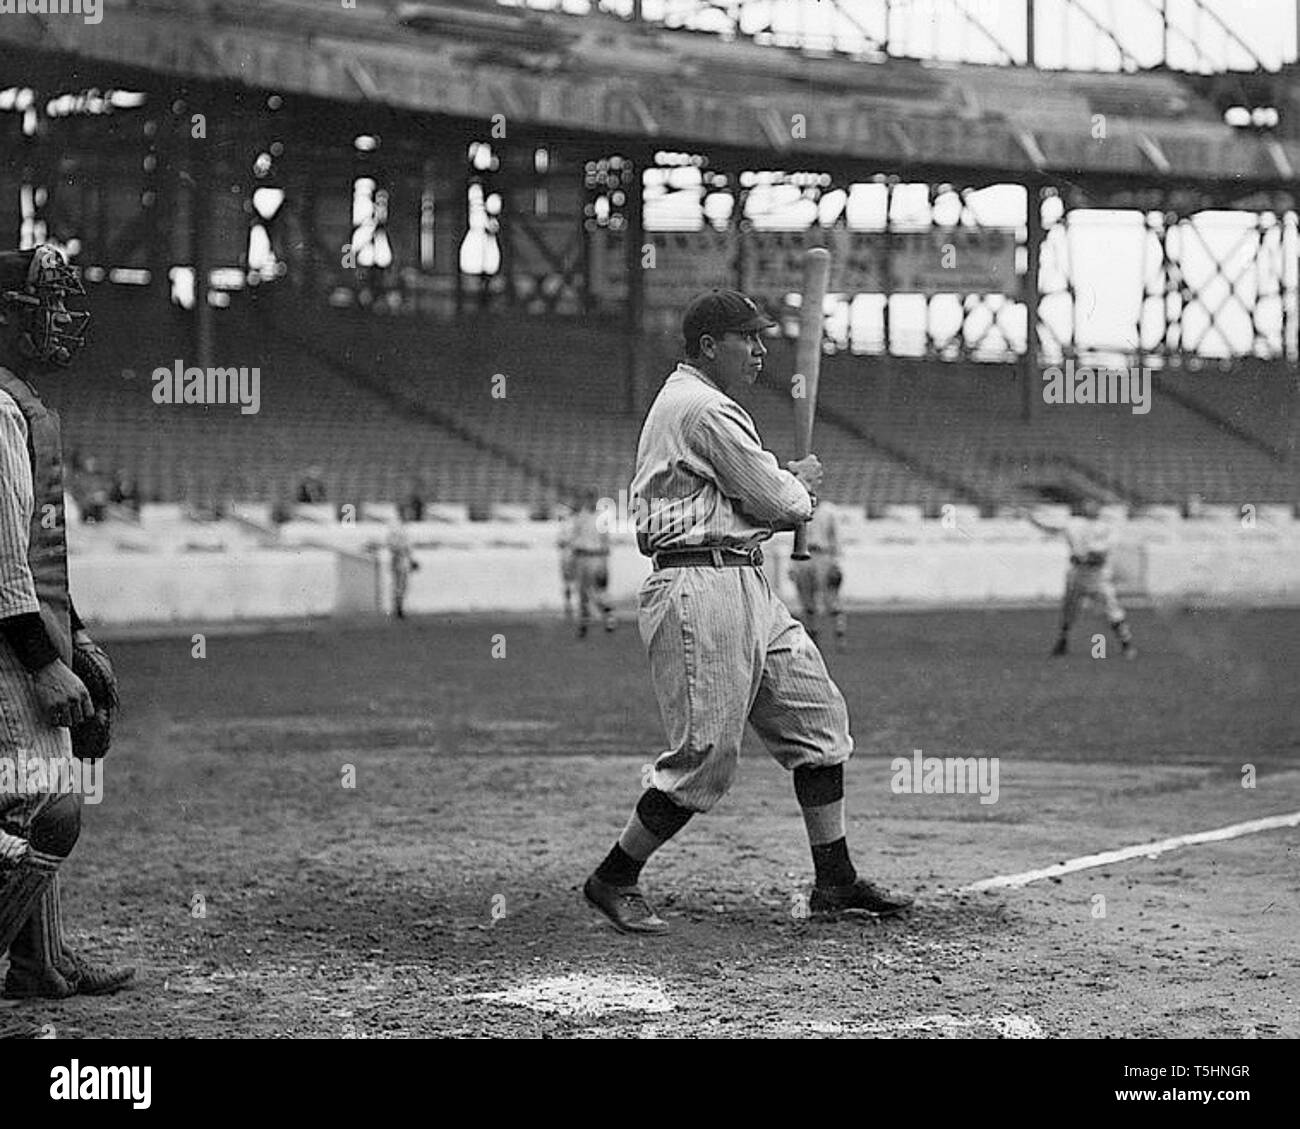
pixel 380 830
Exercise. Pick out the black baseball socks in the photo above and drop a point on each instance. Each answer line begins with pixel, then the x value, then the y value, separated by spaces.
pixel 655 820
pixel 820 791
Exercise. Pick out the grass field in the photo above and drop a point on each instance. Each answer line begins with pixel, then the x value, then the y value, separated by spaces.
pixel 381 829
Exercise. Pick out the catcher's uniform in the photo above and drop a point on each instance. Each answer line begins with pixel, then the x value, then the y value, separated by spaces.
pixel 40 821
pixel 33 578
pixel 724 649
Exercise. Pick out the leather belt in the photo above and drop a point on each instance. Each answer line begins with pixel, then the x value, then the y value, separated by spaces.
pixel 710 558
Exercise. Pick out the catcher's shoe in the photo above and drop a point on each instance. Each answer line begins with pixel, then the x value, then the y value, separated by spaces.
pixel 89 979
pixel 40 984
pixel 860 897
pixel 1061 648
pixel 625 906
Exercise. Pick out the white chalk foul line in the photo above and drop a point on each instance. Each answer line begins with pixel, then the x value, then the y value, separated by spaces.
pixel 1148 850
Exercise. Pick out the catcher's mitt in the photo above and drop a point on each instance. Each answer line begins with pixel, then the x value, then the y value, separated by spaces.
pixel 92 738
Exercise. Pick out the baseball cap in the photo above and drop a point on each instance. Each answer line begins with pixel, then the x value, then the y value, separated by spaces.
pixel 722 311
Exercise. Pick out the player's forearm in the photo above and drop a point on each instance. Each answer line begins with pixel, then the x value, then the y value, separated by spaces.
pixel 749 474
pixel 766 492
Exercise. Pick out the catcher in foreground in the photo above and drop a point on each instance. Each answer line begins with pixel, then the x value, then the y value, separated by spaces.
pixel 58 692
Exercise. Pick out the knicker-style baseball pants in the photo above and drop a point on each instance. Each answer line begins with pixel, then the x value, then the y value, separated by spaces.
pixel 724 650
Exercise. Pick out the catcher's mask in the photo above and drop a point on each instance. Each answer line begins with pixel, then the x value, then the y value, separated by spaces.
pixel 33 287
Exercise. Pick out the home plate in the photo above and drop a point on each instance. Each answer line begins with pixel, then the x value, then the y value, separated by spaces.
pixel 580 994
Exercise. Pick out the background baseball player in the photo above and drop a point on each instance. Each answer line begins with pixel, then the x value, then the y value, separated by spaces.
pixel 817 580
pixel 724 649
pixel 1090 576
pixel 40 694
pixel 401 563
pixel 588 545
pixel 568 563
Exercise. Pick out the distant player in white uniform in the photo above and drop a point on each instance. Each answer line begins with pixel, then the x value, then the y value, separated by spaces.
pixel 401 563
pixel 588 545
pixel 568 563
pixel 724 649
pixel 817 580
pixel 1091 576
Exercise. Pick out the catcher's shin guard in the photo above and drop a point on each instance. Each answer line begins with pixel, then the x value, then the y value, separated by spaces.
pixel 38 945
pixel 21 888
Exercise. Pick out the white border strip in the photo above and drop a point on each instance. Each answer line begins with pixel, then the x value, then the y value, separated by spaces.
pixel 1150 850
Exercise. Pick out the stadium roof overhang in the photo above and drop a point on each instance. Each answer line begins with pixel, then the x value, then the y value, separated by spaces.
pixel 555 76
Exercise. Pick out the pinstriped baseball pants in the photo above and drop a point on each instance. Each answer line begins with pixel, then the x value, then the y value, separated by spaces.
pixel 725 650
pixel 27 736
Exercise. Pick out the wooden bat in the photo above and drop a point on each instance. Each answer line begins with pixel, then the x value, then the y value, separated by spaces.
pixel 808 365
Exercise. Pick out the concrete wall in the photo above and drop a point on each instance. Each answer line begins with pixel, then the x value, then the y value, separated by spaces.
pixel 197 587
pixel 483 568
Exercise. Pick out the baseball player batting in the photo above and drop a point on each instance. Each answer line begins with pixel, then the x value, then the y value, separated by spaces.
pixel 724 649
pixel 42 641
pixel 1090 577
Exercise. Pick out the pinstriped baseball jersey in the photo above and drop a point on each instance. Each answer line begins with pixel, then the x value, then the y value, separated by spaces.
pixel 702 476
pixel 17 587
pixel 24 730
pixel 724 649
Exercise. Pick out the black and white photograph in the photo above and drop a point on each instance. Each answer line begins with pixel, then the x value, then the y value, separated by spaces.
pixel 651 519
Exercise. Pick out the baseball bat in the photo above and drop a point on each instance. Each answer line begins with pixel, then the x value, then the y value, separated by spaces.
pixel 808 364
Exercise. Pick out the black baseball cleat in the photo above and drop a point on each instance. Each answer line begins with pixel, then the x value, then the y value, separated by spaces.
pixel 89 979
pixel 1061 648
pixel 75 976
pixel 625 906
pixel 859 897
pixel 42 984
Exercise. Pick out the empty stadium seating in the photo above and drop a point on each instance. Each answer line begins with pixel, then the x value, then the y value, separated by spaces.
pixel 524 412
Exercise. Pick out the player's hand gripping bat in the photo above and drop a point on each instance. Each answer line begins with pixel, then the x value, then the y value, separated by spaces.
pixel 808 365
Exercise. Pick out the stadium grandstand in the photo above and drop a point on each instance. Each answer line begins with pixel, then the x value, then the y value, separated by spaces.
pixel 454 239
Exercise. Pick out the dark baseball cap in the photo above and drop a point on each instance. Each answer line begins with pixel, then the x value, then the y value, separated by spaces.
pixel 722 311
